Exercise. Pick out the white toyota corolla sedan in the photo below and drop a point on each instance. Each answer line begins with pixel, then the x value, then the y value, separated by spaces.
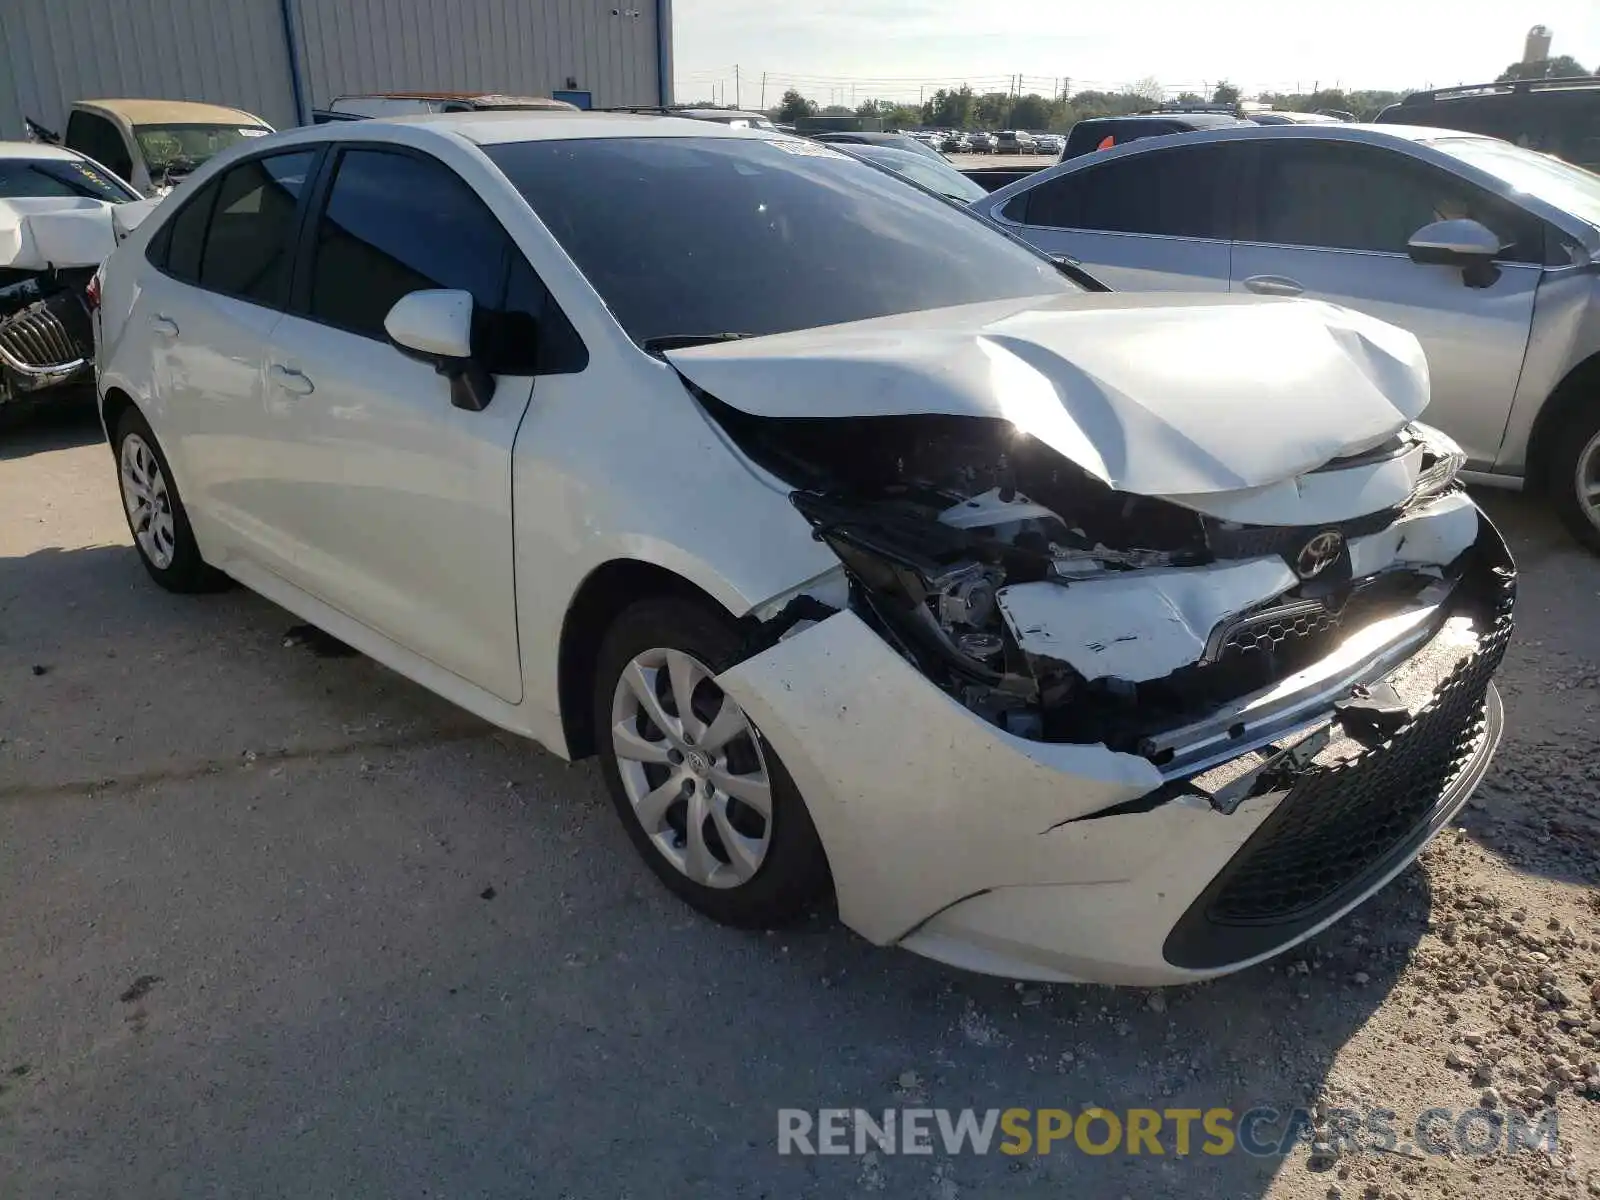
pixel 1056 634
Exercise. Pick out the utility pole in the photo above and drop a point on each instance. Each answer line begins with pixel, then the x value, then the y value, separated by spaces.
pixel 763 91
pixel 738 96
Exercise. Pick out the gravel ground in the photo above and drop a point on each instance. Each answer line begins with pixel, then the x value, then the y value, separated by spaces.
pixel 280 924
pixel 963 161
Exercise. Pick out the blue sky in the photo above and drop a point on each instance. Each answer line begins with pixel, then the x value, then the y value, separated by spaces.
pixel 836 49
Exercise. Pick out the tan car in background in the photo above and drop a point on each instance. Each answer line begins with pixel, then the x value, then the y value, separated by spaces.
pixel 154 143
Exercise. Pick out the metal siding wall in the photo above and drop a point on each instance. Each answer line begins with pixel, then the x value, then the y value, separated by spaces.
pixel 53 52
pixel 519 46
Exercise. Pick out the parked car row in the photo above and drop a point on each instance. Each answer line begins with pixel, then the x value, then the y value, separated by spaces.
pixel 931 558
pixel 981 141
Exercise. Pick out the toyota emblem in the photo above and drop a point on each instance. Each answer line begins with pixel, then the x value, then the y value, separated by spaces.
pixel 1320 553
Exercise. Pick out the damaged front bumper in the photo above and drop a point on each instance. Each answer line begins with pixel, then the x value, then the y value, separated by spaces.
pixel 1219 843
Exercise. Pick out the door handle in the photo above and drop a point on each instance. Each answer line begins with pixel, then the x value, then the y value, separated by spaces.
pixel 165 326
pixel 1273 285
pixel 290 380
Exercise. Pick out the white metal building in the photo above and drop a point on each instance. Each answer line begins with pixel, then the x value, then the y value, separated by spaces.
pixel 282 58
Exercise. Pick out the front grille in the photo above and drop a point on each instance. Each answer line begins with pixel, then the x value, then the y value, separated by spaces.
pixel 1273 629
pixel 1342 819
pixel 1364 803
pixel 47 334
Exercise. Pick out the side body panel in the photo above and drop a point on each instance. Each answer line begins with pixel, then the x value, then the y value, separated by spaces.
pixel 1566 331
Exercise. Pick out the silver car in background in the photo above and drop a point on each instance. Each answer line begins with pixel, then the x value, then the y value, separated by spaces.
pixel 1489 253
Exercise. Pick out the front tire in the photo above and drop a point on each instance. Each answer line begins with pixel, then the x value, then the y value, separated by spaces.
pixel 1574 475
pixel 702 794
pixel 156 516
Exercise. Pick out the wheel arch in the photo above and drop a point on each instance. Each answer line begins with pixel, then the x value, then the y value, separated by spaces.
pixel 602 596
pixel 113 403
pixel 1579 384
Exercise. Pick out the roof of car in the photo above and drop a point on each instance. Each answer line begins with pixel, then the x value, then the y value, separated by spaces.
pixel 1342 130
pixel 481 99
pixel 719 114
pixel 489 128
pixel 873 137
pixel 1505 87
pixel 36 151
pixel 1195 120
pixel 181 112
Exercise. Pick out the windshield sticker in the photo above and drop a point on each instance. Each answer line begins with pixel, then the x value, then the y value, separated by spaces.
pixel 252 131
pixel 794 145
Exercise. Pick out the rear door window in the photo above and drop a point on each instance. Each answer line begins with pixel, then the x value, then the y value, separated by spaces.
pixel 1180 192
pixel 182 240
pixel 249 246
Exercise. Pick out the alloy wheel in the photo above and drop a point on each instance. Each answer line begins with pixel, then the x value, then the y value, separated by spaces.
pixel 692 767
pixel 147 501
pixel 1586 480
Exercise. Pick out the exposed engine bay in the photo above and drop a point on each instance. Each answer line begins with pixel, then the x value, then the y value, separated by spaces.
pixel 1061 609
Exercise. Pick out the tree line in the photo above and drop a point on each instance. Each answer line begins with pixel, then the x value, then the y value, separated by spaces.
pixel 962 108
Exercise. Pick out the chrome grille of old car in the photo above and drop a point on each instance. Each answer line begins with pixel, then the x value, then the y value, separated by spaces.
pixel 36 339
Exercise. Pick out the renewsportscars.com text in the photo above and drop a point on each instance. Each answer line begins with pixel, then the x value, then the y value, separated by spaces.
pixel 1263 1132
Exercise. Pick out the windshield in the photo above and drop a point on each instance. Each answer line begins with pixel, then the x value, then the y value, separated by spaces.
pixel 20 177
pixel 1569 188
pixel 179 149
pixel 697 236
pixel 935 174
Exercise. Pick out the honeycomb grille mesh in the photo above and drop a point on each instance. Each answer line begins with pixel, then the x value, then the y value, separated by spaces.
pixel 1362 802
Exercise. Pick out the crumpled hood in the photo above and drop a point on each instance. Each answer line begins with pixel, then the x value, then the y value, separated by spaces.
pixel 1152 394
pixel 37 232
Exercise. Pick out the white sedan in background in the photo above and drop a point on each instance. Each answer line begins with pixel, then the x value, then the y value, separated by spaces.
pixel 1060 635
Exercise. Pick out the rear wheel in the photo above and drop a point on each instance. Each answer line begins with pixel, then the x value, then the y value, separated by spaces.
pixel 155 512
pixel 1575 475
pixel 702 794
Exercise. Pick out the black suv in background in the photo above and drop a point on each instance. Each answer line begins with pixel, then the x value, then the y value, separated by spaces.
pixel 1553 116
pixel 1101 133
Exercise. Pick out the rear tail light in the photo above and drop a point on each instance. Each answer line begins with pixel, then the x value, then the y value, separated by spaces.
pixel 92 293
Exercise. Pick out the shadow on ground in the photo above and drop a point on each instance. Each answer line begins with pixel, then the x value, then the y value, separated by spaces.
pixel 58 424
pixel 1539 807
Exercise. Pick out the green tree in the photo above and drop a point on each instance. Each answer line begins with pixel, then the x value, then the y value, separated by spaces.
pixel 1031 112
pixel 793 107
pixel 991 110
pixel 1225 93
pixel 1191 98
pixel 1107 104
pixel 1561 67
pixel 949 109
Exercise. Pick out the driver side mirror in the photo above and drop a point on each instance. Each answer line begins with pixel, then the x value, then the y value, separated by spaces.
pixel 1463 243
pixel 435 326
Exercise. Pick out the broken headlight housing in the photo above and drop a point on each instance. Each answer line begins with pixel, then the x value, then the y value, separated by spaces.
pixel 1441 464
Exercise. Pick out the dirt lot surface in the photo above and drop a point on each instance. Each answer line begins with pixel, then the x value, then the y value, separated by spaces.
pixel 274 924
pixel 963 162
